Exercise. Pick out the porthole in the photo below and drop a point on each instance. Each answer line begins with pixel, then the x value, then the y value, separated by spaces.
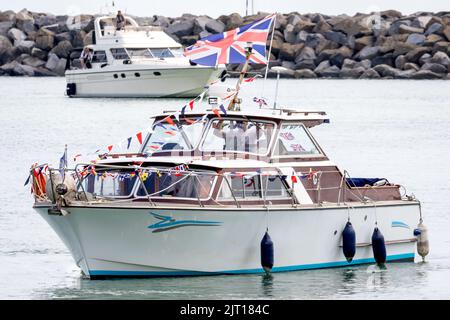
pixel 115 76
pixel 157 73
pixel 137 74
pixel 123 75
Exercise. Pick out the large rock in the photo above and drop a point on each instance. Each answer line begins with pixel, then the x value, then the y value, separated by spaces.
pixel 26 46
pixel 352 73
pixel 289 34
pixel 25 21
pixel 45 20
pixel 234 21
pixel 38 53
pixel 52 61
pixel 416 39
pixel 214 26
pixel 305 64
pixel 446 32
pixel 366 41
pixel 441 58
pixel 322 27
pixel 337 37
pixel 5 26
pixel 411 66
pixel 200 24
pixel 387 59
pixel 289 51
pixel 367 53
pixel 425 75
pixel 304 25
pixel 63 49
pixel 322 66
pixel 403 48
pixel 400 62
pixel 386 71
pixel 16 35
pixel 306 54
pixel 330 72
pixel 5 44
pixel 8 15
pixel 352 26
pixel 16 69
pixel 45 39
pixel 434 28
pixel 79 38
pixel 404 29
pixel 425 59
pixel 304 74
pixel 432 39
pixel 33 62
pixel 435 67
pixel 415 54
pixel 181 28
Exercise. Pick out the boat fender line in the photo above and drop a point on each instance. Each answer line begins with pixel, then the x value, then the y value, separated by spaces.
pixel 378 246
pixel 349 242
pixel 423 247
pixel 267 252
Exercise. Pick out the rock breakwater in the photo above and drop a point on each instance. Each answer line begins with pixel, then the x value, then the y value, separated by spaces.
pixel 385 44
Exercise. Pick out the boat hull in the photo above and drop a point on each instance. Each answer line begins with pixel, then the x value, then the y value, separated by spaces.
pixel 141 81
pixel 140 242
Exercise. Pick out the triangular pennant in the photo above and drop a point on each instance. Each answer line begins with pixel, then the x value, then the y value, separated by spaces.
pixel 183 110
pixel 169 120
pixel 110 148
pixel 28 180
pixel 129 142
pixel 224 111
pixel 139 137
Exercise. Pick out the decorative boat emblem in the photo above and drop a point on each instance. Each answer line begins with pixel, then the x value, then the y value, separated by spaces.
pixel 168 223
pixel 399 224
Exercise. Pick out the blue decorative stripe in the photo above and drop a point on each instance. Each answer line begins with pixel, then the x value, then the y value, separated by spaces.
pixel 249 271
pixel 168 221
pixel 399 224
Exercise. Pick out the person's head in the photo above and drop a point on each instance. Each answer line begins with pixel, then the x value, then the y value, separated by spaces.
pixel 86 49
pixel 119 13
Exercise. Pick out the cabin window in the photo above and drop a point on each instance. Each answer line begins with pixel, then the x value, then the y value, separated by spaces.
pixel 161 53
pixel 182 136
pixel 294 140
pixel 99 57
pixel 177 52
pixel 119 54
pixel 139 53
pixel 177 184
pixel 110 184
pixel 253 186
pixel 238 136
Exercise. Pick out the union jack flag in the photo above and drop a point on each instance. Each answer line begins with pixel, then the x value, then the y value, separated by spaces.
pixel 229 47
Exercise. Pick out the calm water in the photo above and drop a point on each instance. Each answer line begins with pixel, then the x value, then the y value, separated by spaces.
pixel 394 129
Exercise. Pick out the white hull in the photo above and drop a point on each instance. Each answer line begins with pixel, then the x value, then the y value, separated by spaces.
pixel 151 82
pixel 118 241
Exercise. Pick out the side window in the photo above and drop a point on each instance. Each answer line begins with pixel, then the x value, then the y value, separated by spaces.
pixel 119 54
pixel 161 53
pixel 294 140
pixel 251 187
pixel 99 57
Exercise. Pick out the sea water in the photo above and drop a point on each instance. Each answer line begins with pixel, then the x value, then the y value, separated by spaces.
pixel 399 130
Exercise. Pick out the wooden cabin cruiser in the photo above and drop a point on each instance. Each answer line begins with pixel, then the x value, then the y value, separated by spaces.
pixel 136 62
pixel 205 188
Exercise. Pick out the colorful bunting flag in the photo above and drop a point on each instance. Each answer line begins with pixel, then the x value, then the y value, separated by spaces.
pixel 139 137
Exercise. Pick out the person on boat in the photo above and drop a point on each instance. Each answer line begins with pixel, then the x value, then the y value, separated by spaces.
pixel 85 58
pixel 120 21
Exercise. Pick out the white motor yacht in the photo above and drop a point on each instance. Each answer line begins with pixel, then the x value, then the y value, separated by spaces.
pixel 136 61
pixel 225 193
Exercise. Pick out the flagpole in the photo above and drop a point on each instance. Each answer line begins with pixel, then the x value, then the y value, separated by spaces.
pixel 248 54
pixel 268 57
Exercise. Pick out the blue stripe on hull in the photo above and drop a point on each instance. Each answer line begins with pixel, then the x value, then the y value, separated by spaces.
pixel 118 273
